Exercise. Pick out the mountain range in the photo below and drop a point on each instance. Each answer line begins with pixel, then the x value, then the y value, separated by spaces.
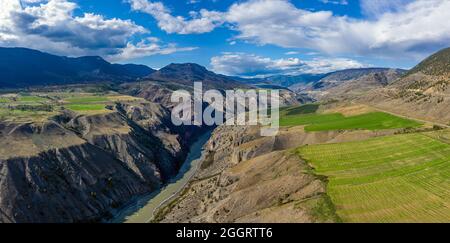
pixel 284 80
pixel 21 67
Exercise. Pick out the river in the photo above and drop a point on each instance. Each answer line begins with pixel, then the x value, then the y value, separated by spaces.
pixel 143 210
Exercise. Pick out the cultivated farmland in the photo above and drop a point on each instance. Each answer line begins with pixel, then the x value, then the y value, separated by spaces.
pixel 401 178
pixel 306 115
pixel 369 121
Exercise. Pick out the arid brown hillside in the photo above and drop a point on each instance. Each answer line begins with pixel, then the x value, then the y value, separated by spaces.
pixel 435 65
pixel 358 86
pixel 424 92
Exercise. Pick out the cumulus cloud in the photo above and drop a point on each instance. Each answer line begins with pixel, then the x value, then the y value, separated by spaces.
pixel 244 64
pixel 200 22
pixel 147 47
pixel 407 28
pixel 326 65
pixel 53 27
pixel 251 65
pixel 413 28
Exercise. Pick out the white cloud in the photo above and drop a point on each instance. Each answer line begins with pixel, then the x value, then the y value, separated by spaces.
pixel 148 47
pixel 404 28
pixel 244 64
pixel 52 26
pixel 326 65
pixel 250 65
pixel 200 22
pixel 336 2
pixel 376 8
pixel 417 25
pixel 32 1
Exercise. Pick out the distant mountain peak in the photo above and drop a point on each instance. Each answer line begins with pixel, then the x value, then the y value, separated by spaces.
pixel 190 67
pixel 96 58
pixel 188 73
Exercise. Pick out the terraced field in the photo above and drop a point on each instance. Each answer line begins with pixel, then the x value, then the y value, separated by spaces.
pixel 401 178
pixel 306 115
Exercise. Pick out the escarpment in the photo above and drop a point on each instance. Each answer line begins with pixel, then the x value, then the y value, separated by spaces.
pixel 81 168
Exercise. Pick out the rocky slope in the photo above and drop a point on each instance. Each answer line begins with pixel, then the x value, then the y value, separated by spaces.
pixel 81 168
pixel 358 86
pixel 160 92
pixel 425 90
pixel 348 83
pixel 157 92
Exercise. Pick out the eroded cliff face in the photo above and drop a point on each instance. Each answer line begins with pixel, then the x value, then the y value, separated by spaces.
pixel 81 168
pixel 76 184
pixel 130 143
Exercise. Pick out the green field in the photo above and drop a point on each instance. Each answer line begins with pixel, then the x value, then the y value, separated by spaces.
pixel 87 99
pixel 307 119
pixel 86 107
pixel 31 99
pixel 300 110
pixel 369 121
pixel 401 178
pixel 305 115
pixel 87 103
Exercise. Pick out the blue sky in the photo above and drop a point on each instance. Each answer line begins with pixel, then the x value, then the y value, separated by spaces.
pixel 246 37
